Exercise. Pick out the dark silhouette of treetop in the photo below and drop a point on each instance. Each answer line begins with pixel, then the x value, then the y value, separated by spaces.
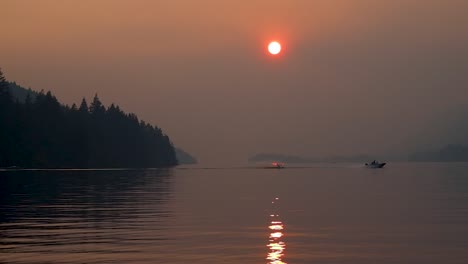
pixel 96 107
pixel 4 92
pixel 83 106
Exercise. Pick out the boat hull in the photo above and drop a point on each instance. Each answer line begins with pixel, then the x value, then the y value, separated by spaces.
pixel 375 166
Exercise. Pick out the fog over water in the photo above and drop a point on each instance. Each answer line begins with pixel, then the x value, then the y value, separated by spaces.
pixel 360 76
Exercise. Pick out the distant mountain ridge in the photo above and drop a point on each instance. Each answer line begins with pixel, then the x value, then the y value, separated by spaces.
pixel 449 153
pixel 21 93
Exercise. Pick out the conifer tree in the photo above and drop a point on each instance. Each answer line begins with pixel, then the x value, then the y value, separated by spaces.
pixel 96 107
pixel 83 106
pixel 5 97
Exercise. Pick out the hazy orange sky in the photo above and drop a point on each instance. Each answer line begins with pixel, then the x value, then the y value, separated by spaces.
pixel 357 76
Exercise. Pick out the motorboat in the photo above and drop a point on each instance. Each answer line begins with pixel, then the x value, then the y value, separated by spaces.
pixel 375 165
pixel 276 165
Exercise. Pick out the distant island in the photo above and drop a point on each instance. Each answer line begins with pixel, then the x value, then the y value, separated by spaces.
pixel 449 153
pixel 37 131
pixel 271 157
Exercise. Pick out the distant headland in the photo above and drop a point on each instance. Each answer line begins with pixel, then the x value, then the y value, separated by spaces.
pixel 185 158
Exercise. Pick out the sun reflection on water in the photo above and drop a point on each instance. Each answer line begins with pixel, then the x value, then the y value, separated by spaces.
pixel 276 246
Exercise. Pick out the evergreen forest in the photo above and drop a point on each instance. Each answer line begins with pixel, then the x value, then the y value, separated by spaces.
pixel 37 131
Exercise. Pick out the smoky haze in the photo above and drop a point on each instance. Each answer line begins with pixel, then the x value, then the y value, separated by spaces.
pixel 354 77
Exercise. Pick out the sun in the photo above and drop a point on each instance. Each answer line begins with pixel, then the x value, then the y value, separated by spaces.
pixel 274 47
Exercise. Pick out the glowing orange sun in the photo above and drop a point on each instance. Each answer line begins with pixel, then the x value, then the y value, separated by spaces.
pixel 274 48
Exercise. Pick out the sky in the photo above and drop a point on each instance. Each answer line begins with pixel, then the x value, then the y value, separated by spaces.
pixel 354 77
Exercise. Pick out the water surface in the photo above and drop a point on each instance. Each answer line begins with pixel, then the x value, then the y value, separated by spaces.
pixel 338 213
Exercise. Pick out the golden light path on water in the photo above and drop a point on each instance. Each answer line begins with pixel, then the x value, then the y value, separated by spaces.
pixel 276 246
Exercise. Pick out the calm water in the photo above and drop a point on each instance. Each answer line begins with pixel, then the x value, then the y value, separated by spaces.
pixel 406 213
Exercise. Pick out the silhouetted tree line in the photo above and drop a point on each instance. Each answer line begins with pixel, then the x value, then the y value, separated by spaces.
pixel 42 133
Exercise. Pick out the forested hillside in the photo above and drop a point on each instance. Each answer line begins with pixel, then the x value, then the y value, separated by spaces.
pixel 40 132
